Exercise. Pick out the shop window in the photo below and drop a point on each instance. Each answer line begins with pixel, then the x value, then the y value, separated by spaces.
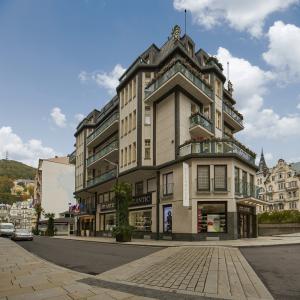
pixel 203 178
pixel 220 179
pixel 168 184
pixel 109 222
pixel 139 188
pixel 212 217
pixel 140 220
pixel 167 210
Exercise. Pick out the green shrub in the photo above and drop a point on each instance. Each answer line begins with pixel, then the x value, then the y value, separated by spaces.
pixel 276 217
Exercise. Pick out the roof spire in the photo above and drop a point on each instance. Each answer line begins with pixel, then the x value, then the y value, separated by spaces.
pixel 262 163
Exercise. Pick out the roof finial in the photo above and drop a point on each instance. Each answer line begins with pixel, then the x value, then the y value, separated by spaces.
pixel 176 32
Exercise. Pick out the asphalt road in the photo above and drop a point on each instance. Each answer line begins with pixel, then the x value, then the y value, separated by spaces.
pixel 87 257
pixel 278 267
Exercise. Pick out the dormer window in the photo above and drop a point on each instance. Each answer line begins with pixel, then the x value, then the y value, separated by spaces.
pixel 190 49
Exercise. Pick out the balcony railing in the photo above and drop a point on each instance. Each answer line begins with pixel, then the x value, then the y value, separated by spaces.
pixel 102 127
pixel 102 178
pixel 178 68
pixel 245 189
pixel 231 111
pixel 198 119
pixel 105 150
pixel 217 147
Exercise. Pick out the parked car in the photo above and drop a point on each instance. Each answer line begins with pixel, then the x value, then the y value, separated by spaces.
pixel 7 229
pixel 22 235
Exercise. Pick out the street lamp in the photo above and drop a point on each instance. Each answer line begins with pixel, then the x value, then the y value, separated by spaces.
pixel 117 181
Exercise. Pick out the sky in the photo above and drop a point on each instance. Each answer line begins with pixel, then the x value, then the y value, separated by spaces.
pixel 60 59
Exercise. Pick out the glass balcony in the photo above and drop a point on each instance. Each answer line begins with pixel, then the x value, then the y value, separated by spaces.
pixel 103 152
pixel 233 114
pixel 102 178
pixel 218 147
pixel 245 189
pixel 99 130
pixel 178 67
pixel 199 119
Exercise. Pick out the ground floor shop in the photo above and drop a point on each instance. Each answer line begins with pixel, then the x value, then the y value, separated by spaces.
pixel 86 225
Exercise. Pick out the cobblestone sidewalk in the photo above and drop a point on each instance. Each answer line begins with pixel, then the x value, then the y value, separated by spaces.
pixel 24 276
pixel 216 272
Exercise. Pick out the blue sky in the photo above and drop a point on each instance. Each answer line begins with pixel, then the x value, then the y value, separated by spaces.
pixel 59 59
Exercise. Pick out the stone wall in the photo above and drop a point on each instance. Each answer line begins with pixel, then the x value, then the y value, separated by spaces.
pixel 274 229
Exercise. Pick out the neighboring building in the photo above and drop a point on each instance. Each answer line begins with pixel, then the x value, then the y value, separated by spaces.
pixel 54 184
pixel 22 214
pixel 279 186
pixel 21 186
pixel 4 213
pixel 171 131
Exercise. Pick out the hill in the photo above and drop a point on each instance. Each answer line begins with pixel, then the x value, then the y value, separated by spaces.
pixel 15 169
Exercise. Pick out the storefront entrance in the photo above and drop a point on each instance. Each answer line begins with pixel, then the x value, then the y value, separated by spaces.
pixel 246 222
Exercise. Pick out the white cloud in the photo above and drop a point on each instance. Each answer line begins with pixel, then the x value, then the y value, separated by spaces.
pixel 109 80
pixel 284 51
pixel 269 156
pixel 298 106
pixel 240 15
pixel 251 85
pixel 79 117
pixel 28 152
pixel 58 117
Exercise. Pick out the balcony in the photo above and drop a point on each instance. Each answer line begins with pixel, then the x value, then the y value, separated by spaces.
pixel 179 74
pixel 246 190
pixel 232 117
pixel 109 152
pixel 218 147
pixel 72 157
pixel 102 178
pixel 103 131
pixel 200 126
pixel 291 186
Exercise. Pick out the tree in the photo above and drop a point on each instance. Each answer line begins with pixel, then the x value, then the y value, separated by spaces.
pixel 6 184
pixel 123 197
pixel 38 212
pixel 50 225
pixel 30 190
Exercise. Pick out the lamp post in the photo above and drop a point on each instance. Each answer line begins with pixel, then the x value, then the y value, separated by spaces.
pixel 117 181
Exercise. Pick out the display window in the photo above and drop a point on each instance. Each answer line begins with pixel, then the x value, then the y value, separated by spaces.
pixel 167 218
pixel 109 222
pixel 212 217
pixel 140 220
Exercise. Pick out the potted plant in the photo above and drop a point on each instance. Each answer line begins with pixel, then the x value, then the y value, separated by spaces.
pixel 123 231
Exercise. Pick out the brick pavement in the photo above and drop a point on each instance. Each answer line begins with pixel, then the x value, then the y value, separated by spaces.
pixel 216 272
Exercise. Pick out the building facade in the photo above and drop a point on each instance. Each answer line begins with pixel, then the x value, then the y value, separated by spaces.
pixel 54 185
pixel 4 213
pixel 279 186
pixel 171 135
pixel 22 214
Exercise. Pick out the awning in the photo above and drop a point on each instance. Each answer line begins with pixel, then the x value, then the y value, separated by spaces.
pixel 251 201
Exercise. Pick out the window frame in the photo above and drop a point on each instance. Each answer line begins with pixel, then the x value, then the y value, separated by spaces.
pixel 225 179
pixel 209 185
pixel 165 175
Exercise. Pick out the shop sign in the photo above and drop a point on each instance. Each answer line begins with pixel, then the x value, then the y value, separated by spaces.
pixel 107 206
pixel 142 200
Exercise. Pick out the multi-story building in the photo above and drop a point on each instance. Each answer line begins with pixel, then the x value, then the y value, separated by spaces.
pixel 171 135
pixel 279 186
pixel 54 185
pixel 22 214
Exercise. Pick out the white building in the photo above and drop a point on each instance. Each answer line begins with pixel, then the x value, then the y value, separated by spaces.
pixel 4 212
pixel 55 184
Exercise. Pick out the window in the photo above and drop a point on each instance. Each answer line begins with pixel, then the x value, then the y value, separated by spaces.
pixel 244 182
pixel 126 95
pixel 270 188
pixel 195 108
pixel 133 88
pixel 140 220
pixel 122 128
pixel 125 156
pixel 220 178
pixel 151 185
pixel 147 149
pixel 289 174
pixel 129 92
pixel 206 78
pixel 218 120
pixel 134 120
pixel 147 120
pixel 237 180
pixel 133 151
pixel 122 158
pixel 294 194
pixel 139 189
pixel 109 222
pixel 130 122
pixel 281 186
pixel 147 75
pixel 273 178
pixel 252 187
pixel 167 209
pixel 281 196
pixel 168 184
pixel 126 126
pixel 218 88
pixel 129 154
pixel 203 178
pixel 206 112
pixel 122 98
pixel 211 217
